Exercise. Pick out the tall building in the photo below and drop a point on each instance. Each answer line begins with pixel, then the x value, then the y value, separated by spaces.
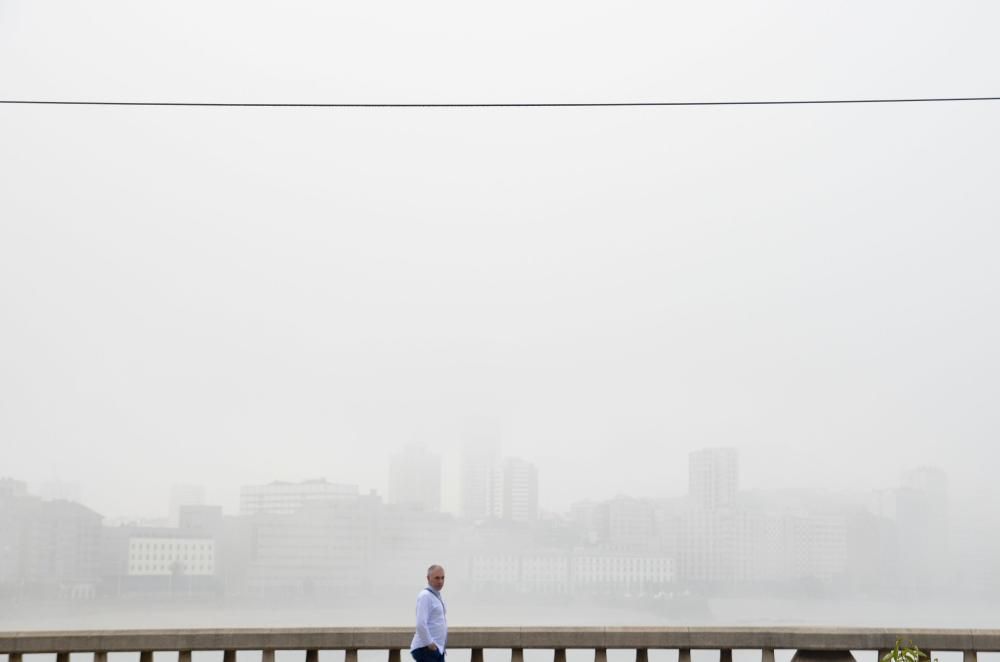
pixel 708 545
pixel 285 498
pixel 48 548
pixel 13 488
pixel 55 490
pixel 184 495
pixel 515 491
pixel 479 461
pixel 791 546
pixel 713 477
pixel 922 511
pixel 415 479
pixel 408 541
pixel 207 519
pixel 623 523
pixel 324 547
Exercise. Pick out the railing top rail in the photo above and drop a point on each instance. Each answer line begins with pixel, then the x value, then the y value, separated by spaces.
pixel 382 638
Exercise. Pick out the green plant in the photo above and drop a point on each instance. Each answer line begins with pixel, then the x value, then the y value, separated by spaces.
pixel 908 653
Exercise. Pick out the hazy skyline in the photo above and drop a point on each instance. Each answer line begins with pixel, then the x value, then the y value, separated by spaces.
pixel 229 297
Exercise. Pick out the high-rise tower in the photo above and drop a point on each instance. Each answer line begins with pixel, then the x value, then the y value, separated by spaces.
pixel 713 477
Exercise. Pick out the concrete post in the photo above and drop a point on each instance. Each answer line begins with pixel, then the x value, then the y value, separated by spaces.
pixel 146 656
pixel 102 656
pixel 559 655
pixel 969 656
pixel 229 655
pixel 312 655
pixel 683 655
pixel 350 655
pixel 767 655
pixel 641 655
pixel 13 657
pixel 266 655
pixel 516 655
pixel 182 656
pixel 394 655
pixel 477 655
pixel 600 655
pixel 62 657
pixel 726 655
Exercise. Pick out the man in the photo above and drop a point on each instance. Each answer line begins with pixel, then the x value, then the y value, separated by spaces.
pixel 432 624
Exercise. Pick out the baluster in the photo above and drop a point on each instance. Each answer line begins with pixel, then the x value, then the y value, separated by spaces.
pixel 600 655
pixel 516 655
pixel 350 655
pixel 102 656
pixel 559 655
pixel 394 655
pixel 477 655
pixel 683 655
pixel 726 655
pixel 230 656
pixel 767 655
pixel 62 657
pixel 266 655
pixel 641 655
pixel 312 655
pixel 145 656
pixel 969 656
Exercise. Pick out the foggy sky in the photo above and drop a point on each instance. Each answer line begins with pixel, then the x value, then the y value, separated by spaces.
pixel 227 297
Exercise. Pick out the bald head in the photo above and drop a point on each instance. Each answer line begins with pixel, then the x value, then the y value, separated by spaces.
pixel 435 577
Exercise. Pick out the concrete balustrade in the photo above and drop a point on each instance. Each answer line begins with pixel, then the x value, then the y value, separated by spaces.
pixel 810 644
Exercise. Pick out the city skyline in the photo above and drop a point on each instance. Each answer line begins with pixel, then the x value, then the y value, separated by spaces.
pixel 252 252
pixel 694 463
pixel 299 538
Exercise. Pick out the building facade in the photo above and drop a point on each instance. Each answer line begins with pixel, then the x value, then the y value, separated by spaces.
pixel 281 498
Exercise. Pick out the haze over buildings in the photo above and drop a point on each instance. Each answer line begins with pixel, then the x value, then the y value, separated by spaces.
pixel 314 538
pixel 575 310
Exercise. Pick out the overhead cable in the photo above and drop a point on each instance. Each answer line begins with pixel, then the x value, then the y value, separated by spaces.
pixel 595 104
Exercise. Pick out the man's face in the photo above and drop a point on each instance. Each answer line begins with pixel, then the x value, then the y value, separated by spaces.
pixel 436 579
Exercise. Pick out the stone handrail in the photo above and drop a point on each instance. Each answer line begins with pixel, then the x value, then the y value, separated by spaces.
pixel 821 643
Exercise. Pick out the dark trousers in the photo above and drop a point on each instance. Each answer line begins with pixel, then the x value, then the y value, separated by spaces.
pixel 427 655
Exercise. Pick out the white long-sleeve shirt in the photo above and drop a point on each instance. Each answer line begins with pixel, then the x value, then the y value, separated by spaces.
pixel 432 621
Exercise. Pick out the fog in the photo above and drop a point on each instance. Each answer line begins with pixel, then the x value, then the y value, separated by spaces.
pixel 541 317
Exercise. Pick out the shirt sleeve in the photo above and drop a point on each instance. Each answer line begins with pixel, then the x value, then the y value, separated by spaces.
pixel 423 618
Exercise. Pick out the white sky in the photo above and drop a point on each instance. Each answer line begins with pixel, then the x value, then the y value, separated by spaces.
pixel 226 296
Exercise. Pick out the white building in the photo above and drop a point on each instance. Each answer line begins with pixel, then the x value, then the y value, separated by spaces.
pixel 171 556
pixel 415 479
pixel 566 572
pixel 285 498
pixel 632 573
